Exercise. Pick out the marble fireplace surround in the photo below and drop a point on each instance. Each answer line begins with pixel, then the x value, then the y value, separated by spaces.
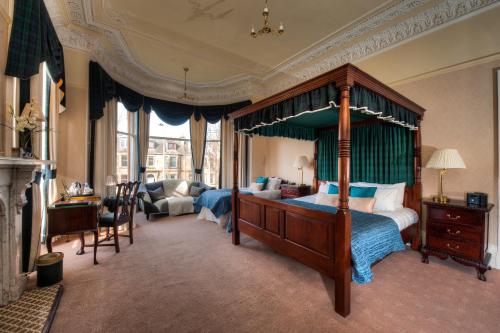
pixel 15 174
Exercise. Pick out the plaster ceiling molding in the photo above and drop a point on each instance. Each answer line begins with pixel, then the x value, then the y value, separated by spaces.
pixel 440 14
pixel 397 22
pixel 369 24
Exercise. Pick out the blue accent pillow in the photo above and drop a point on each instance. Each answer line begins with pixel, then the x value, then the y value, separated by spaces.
pixel 362 192
pixel 333 189
pixel 262 180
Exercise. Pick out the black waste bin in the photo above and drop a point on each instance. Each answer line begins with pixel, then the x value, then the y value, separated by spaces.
pixel 50 269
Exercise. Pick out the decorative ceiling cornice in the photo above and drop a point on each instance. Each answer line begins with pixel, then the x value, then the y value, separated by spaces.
pixel 386 28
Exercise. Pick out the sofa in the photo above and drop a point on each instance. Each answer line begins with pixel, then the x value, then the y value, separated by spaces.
pixel 173 189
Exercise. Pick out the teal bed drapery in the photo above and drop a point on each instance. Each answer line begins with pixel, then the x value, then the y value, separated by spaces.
pixel 286 130
pixel 380 153
pixel 361 101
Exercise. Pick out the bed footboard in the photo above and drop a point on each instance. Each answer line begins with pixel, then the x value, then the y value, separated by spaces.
pixel 303 234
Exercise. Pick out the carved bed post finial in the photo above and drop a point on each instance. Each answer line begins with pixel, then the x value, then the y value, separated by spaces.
pixel 342 260
pixel 234 201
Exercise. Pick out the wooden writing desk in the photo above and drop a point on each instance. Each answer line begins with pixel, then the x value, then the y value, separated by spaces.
pixel 73 219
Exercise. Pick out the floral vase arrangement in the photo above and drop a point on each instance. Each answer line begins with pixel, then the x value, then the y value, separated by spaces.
pixel 27 123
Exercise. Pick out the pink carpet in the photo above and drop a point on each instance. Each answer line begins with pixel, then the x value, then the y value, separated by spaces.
pixel 184 275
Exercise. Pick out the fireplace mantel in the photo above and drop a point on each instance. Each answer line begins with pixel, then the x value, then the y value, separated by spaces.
pixel 15 174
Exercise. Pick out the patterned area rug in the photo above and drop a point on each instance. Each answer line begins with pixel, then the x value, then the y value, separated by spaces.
pixel 33 312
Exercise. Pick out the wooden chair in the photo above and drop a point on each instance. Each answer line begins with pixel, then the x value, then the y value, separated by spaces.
pixel 123 212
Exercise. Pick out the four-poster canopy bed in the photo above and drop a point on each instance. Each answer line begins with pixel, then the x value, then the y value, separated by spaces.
pixel 320 239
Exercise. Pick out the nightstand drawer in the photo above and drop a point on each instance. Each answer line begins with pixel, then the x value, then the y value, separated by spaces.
pixel 454 247
pixel 454 215
pixel 454 231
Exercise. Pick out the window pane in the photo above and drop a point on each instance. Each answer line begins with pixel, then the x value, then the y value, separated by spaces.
pixel 172 156
pixel 122 152
pixel 122 119
pixel 211 164
pixel 157 128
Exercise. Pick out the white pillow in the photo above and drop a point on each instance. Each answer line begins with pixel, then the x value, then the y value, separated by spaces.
pixel 323 186
pixel 400 187
pixel 256 186
pixel 273 183
pixel 386 199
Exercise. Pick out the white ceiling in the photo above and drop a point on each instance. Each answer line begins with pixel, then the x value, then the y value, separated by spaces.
pixel 212 36
pixel 146 43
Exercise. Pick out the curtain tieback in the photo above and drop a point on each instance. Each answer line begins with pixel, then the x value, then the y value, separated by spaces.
pixel 197 171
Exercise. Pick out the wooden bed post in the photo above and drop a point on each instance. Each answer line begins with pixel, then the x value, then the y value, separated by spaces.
pixel 315 161
pixel 417 186
pixel 343 222
pixel 234 201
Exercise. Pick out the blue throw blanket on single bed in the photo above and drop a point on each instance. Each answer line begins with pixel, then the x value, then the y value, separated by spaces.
pixel 218 201
pixel 372 238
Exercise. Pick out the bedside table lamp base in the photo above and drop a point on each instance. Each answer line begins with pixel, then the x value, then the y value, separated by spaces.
pixel 440 197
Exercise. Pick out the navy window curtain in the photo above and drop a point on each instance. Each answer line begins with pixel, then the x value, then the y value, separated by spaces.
pixel 33 40
pixel 380 153
pixel 103 88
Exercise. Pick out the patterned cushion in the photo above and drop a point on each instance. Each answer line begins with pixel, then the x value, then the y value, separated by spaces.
pixel 327 199
pixel 256 186
pixel 157 194
pixel 196 191
pixel 362 204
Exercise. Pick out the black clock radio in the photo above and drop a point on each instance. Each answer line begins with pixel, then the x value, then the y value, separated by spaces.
pixel 477 199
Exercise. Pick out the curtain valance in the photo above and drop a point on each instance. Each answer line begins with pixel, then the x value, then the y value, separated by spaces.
pixel 286 130
pixel 314 100
pixel 380 153
pixel 102 88
pixel 362 100
pixel 33 40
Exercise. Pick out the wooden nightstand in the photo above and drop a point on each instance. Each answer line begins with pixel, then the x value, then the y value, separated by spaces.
pixel 294 191
pixel 458 231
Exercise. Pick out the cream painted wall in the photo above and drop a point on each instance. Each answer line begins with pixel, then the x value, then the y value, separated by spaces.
pixel 461 114
pixel 275 157
pixel 72 136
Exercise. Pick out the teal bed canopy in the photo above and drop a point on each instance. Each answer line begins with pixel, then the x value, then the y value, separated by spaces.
pixel 382 137
pixel 298 116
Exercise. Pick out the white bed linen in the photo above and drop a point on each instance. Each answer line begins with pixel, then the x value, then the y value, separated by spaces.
pixel 404 217
pixel 206 214
pixel 266 194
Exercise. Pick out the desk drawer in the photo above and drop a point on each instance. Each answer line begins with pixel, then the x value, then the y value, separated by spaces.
pixel 461 216
pixel 71 219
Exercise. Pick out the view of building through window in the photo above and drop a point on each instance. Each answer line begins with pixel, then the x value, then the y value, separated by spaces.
pixel 211 164
pixel 169 153
pixel 125 144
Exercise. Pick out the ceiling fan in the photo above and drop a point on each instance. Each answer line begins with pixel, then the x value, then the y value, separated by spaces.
pixel 185 95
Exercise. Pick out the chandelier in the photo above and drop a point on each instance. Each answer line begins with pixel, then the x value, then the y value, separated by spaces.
pixel 185 95
pixel 267 28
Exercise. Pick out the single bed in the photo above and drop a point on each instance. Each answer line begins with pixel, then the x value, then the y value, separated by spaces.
pixel 215 205
pixel 363 131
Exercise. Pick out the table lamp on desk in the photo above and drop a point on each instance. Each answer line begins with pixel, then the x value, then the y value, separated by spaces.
pixel 300 163
pixel 111 182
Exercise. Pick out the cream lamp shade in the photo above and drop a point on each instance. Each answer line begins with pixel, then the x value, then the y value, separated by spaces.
pixel 445 159
pixel 111 180
pixel 300 162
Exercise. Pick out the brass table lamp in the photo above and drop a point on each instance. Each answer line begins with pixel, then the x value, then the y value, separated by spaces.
pixel 299 163
pixel 444 159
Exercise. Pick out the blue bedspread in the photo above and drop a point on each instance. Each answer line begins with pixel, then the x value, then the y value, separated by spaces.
pixel 372 238
pixel 218 201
